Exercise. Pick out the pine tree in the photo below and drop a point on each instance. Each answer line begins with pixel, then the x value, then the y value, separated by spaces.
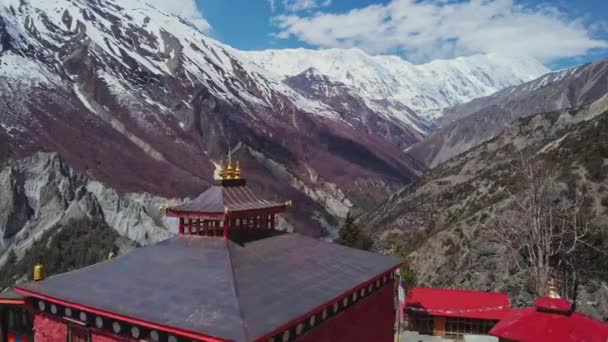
pixel 351 235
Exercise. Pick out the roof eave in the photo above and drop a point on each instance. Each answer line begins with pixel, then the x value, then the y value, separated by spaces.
pixel 330 302
pixel 132 320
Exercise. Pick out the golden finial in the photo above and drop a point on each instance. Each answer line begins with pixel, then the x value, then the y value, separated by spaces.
pixel 553 290
pixel 38 272
pixel 162 208
pixel 237 170
pixel 229 172
pixel 288 203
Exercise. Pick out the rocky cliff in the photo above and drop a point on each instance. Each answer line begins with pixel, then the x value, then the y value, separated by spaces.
pixel 43 192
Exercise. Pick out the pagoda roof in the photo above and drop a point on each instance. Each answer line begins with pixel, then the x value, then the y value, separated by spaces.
pixel 218 199
pixel 458 303
pixel 550 319
pixel 216 287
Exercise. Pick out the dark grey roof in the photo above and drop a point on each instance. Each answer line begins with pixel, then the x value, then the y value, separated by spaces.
pixel 216 287
pixel 217 198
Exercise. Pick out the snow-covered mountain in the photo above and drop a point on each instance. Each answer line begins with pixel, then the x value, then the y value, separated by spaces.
pixel 141 101
pixel 428 89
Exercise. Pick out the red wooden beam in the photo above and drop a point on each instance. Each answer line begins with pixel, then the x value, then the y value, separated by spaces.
pixel 12 301
pixel 150 325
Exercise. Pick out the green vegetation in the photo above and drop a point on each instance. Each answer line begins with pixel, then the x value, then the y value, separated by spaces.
pixel 351 235
pixel 62 248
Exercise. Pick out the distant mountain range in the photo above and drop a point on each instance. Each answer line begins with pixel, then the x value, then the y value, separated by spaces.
pixel 143 102
pixel 467 125
pixel 389 83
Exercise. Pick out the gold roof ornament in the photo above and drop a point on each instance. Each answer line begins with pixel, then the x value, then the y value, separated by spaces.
pixel 552 293
pixel 229 172
pixel 237 170
pixel 163 208
pixel 288 203
pixel 38 272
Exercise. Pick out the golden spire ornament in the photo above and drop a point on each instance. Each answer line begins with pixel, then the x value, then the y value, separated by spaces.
pixel 237 170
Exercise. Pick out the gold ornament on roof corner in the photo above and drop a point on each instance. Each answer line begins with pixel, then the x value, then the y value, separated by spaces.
pixel 553 290
pixel 38 272
pixel 288 203
pixel 163 208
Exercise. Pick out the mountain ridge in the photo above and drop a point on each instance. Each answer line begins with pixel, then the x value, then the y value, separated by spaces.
pixel 469 124
pixel 427 89
pixel 143 102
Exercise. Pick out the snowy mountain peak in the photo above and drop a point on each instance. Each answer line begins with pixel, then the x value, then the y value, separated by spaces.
pixel 428 88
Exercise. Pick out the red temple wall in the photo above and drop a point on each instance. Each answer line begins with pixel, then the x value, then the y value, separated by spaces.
pixel 47 329
pixel 371 319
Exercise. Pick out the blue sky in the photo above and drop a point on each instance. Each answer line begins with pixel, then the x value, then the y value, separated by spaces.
pixel 559 33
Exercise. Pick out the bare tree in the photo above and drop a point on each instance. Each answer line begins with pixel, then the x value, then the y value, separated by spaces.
pixel 539 228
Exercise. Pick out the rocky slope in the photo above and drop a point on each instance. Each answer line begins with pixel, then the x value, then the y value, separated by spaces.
pixel 479 120
pixel 143 102
pixel 440 220
pixel 43 191
pixel 427 89
pixel 353 109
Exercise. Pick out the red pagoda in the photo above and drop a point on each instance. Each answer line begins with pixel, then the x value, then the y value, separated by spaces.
pixel 227 276
pixel 230 209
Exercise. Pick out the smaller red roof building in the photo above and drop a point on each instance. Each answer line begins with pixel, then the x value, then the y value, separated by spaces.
pixel 458 303
pixel 550 319
pixel 454 313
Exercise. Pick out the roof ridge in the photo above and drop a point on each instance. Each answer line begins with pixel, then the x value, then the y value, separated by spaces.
pixel 229 245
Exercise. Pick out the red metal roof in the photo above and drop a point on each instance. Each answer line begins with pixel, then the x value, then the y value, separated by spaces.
pixel 549 321
pixel 458 303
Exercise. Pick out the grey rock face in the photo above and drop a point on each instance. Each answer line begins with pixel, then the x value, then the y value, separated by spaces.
pixel 42 191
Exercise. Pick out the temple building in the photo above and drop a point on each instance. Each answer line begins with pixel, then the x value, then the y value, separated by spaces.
pixel 228 275
pixel 452 314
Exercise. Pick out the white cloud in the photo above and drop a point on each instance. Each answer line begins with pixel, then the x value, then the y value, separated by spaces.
pixel 298 5
pixel 186 9
pixel 429 29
